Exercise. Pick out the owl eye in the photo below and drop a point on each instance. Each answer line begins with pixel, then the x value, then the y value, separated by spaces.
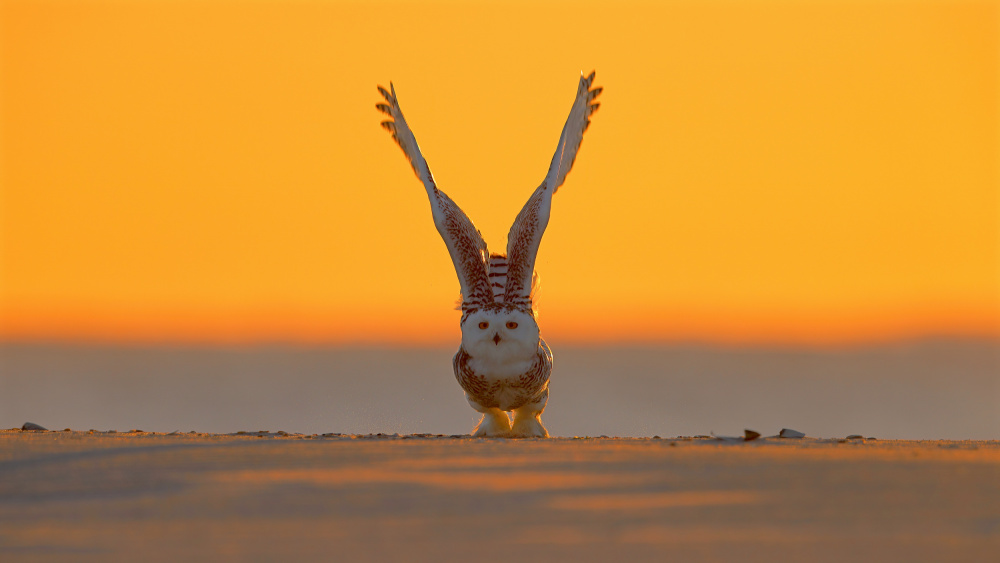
pixel 511 325
pixel 484 325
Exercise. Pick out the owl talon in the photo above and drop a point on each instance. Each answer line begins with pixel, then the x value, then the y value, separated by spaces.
pixel 494 424
pixel 528 427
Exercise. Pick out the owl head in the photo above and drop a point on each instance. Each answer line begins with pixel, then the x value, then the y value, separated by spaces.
pixel 500 331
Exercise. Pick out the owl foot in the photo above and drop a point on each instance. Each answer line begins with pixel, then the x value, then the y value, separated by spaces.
pixel 529 426
pixel 493 424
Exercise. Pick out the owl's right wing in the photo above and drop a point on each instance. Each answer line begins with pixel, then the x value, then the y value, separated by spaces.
pixel 526 233
pixel 465 243
pixel 584 105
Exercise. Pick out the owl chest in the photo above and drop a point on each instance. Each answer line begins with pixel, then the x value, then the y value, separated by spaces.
pixel 500 368
pixel 506 385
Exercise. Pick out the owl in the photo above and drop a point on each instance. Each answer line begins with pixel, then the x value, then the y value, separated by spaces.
pixel 502 364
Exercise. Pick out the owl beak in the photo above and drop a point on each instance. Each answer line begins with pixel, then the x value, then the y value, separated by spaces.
pixel 496 339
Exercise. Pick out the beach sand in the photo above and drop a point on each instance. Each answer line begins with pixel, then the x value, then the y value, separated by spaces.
pixel 133 496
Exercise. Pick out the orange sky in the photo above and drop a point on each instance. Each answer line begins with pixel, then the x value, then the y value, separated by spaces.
pixel 759 172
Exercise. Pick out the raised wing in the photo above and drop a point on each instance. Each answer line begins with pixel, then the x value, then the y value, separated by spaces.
pixel 465 244
pixel 572 134
pixel 526 233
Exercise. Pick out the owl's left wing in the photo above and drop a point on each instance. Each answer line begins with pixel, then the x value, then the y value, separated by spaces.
pixel 465 243
pixel 529 226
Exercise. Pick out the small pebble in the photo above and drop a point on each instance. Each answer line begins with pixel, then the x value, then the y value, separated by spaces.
pixel 33 426
pixel 789 433
pixel 855 437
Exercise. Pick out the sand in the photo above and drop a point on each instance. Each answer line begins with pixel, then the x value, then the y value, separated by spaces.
pixel 131 496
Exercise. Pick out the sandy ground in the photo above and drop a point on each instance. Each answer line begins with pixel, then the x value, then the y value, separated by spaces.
pixel 130 496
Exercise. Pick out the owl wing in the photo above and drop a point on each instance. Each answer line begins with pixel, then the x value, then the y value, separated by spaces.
pixel 526 233
pixel 465 243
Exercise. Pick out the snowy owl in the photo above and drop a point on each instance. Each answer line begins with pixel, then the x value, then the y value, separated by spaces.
pixel 503 364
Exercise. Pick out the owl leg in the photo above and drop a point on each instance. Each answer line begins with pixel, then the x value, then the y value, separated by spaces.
pixel 528 418
pixel 494 422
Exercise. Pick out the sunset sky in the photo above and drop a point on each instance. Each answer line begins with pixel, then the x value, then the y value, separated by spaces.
pixel 760 172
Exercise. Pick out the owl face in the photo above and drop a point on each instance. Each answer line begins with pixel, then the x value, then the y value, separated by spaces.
pixel 500 334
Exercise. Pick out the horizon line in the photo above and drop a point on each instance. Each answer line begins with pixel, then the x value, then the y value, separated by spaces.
pixel 78 341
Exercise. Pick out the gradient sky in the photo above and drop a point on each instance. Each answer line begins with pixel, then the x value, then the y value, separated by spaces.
pixel 759 172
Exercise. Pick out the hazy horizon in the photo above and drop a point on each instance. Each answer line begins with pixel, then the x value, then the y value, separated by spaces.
pixel 930 389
